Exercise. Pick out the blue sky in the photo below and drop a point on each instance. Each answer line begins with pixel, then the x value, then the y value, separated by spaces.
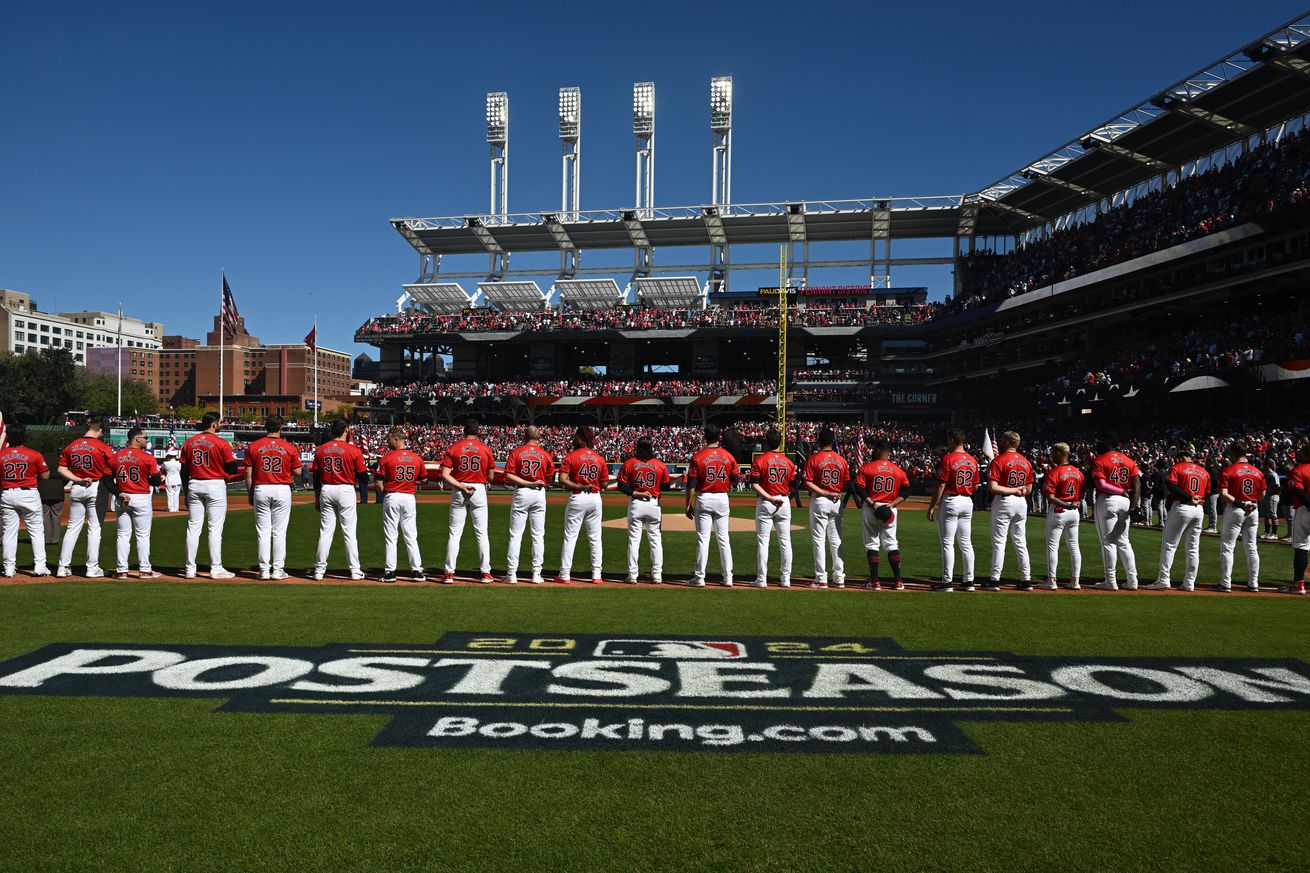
pixel 146 146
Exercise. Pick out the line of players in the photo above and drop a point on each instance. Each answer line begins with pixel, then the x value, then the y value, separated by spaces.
pixel 879 487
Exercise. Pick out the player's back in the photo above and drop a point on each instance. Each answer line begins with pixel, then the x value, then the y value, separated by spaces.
pixel 1243 481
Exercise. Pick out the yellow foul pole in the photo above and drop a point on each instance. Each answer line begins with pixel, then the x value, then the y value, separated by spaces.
pixel 782 345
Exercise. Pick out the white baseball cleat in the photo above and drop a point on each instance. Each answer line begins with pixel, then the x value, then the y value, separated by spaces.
pixel 1187 586
pixel 317 575
pixel 62 573
pixel 279 575
pixel 785 583
pixel 1158 585
pixel 264 575
pixel 355 576
pixel 188 574
pixel 97 573
pixel 538 580
pixel 760 583
pixel 727 583
pixel 222 574
pixel 1049 586
pixel 1074 586
pixel 1106 586
pixel 1130 586
pixel 695 583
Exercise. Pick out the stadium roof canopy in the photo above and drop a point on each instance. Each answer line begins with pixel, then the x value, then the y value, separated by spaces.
pixel 440 298
pixel 670 292
pixel 515 295
pixel 588 293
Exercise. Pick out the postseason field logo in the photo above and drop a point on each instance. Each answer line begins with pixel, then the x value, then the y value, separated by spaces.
pixel 636 693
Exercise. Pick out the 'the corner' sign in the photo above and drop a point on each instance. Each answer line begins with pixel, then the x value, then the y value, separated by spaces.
pixel 596 692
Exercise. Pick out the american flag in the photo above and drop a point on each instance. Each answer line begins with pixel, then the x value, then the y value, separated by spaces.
pixel 230 317
pixel 859 450
pixel 4 437
pixel 172 437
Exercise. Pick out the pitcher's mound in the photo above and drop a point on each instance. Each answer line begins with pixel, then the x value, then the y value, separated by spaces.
pixel 678 522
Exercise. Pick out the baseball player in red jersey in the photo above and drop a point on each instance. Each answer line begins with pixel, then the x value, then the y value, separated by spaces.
pixel 20 468
pixel 529 469
pixel 136 472
pixel 1064 493
pixel 339 469
pixel 1241 488
pixel 1117 482
pixel 466 468
pixel 1298 489
pixel 271 462
pixel 207 462
pixel 642 477
pixel 772 477
pixel 584 473
pixel 1188 484
pixel 826 476
pixel 881 486
pixel 957 477
pixel 712 471
pixel 1010 477
pixel 86 462
pixel 399 474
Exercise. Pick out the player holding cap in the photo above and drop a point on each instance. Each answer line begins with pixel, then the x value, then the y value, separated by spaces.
pixel 20 468
pixel 1298 488
pixel 1010 477
pixel 584 473
pixel 136 475
pixel 1188 485
pixel 466 468
pixel 339 470
pixel 1241 487
pixel 85 462
pixel 172 471
pixel 957 477
pixel 881 486
pixel 271 462
pixel 710 474
pixel 529 469
pixel 398 476
pixel 207 462
pixel 772 478
pixel 1064 493
pixel 642 477
pixel 825 477
pixel 1117 481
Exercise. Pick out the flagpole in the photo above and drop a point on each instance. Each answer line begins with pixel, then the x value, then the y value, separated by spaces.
pixel 120 360
pixel 222 337
pixel 315 372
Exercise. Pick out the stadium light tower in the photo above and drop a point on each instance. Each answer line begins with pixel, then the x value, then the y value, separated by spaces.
pixel 721 127
pixel 643 126
pixel 498 139
pixel 570 137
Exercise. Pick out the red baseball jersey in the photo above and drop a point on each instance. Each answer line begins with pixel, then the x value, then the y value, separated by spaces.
pixel 89 458
pixel 1116 468
pixel 1065 482
pixel 133 469
pixel 586 467
pixel 469 461
pixel 882 480
pixel 1299 478
pixel 338 462
pixel 959 471
pixel 531 462
pixel 650 475
pixel 714 470
pixel 1245 482
pixel 1011 470
pixel 401 471
pixel 828 470
pixel 20 467
pixel 1190 477
pixel 206 455
pixel 272 460
pixel 774 472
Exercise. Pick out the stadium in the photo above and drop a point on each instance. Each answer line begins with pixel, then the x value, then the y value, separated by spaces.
pixel 448 621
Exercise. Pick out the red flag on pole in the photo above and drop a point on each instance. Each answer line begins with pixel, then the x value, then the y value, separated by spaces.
pixel 311 339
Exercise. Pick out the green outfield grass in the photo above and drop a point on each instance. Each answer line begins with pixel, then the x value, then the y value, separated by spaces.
pixel 150 784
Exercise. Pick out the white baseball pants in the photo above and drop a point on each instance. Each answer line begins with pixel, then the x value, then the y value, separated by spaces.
pixel 878 537
pixel 1113 518
pixel 527 509
pixel 84 508
pixel 172 493
pixel 1182 526
pixel 205 499
pixel 272 512
pixel 825 534
pixel 1010 520
pixel 461 507
pixel 769 518
pixel 399 514
pixel 582 510
pixel 1063 525
pixel 135 515
pixel 1237 522
pixel 711 514
pixel 955 528
pixel 24 504
pixel 645 516
pixel 337 503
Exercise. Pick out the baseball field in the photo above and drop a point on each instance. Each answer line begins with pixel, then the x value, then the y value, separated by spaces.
pixel 101 773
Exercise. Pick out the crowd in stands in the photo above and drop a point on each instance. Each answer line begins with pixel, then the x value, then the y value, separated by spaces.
pixel 1263 181
pixel 673 387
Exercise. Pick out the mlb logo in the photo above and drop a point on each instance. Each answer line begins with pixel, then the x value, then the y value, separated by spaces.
pixel 680 650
